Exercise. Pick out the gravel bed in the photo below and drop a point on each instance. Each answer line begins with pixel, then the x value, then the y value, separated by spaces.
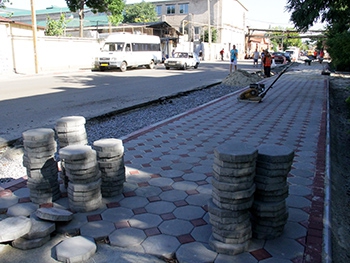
pixel 120 125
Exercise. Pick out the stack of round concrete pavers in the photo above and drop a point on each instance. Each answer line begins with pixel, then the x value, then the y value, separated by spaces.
pixel 70 130
pixel 269 211
pixel 84 186
pixel 110 156
pixel 232 197
pixel 42 171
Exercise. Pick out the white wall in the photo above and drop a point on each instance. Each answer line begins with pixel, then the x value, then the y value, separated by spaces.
pixel 53 53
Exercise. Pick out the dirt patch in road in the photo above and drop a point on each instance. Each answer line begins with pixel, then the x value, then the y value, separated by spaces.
pixel 340 166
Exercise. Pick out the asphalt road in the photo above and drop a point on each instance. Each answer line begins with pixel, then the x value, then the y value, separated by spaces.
pixel 38 101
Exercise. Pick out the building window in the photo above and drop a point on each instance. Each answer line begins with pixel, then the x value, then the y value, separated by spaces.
pixel 159 10
pixel 183 8
pixel 170 9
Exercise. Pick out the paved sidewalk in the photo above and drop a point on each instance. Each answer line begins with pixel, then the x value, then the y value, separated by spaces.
pixel 163 210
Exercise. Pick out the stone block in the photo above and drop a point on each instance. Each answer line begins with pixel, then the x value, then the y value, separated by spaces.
pixel 76 249
pixel 234 179
pixel 236 152
pixel 12 228
pixel 272 153
pixel 25 244
pixel 228 248
pixel 54 214
pixel 232 171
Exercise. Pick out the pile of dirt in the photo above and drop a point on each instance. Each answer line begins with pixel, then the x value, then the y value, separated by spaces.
pixel 241 78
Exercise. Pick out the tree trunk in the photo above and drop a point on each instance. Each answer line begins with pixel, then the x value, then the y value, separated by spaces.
pixel 81 19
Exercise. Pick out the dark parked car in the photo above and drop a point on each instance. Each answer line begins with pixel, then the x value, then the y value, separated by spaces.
pixel 280 57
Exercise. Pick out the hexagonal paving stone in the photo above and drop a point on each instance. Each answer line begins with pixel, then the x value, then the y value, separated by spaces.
pixel 126 237
pixel 176 227
pixel 202 233
pixel 6 202
pixel 75 249
pixel 189 212
pixel 195 252
pixel 199 199
pixel 173 195
pixel 185 185
pixel 194 177
pixel 160 207
pixel 161 245
pixel 98 230
pixel 144 221
pixel 148 191
pixel 161 181
pixel 22 209
pixel 117 214
pixel 134 202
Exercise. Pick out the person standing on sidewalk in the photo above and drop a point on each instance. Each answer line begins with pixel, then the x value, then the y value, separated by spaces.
pixel 222 54
pixel 234 54
pixel 267 60
pixel 256 56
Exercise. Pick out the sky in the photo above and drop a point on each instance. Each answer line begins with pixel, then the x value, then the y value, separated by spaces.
pixel 261 14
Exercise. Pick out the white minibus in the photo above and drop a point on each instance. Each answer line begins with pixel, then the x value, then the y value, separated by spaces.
pixel 125 50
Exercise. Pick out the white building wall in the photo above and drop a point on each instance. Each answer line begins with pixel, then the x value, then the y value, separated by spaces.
pixel 5 50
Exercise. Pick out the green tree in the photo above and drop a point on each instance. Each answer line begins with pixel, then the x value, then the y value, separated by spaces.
pixel 337 16
pixel 214 35
pixel 284 38
pixel 140 13
pixel 55 27
pixel 3 2
pixel 112 7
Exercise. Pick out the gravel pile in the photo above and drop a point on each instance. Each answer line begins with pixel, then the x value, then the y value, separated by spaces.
pixel 117 126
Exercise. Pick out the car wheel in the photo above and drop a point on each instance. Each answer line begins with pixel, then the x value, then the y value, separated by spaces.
pixel 102 68
pixel 123 66
pixel 151 65
pixel 184 66
pixel 167 68
pixel 196 66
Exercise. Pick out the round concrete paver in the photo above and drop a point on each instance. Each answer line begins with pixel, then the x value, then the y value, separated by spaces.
pixel 75 249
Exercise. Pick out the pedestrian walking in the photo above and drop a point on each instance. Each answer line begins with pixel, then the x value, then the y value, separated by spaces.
pixel 234 54
pixel 222 54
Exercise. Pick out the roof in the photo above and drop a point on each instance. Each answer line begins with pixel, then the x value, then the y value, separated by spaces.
pixel 7 20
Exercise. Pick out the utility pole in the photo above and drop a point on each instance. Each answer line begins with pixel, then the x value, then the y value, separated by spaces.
pixel 34 28
pixel 209 30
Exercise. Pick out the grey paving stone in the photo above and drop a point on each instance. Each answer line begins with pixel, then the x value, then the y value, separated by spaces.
pixel 22 209
pixel 38 135
pixel 233 179
pixel 233 171
pixel 275 153
pixel 173 195
pixel 229 204
pixel 202 233
pixel 198 199
pixel 40 228
pixel 12 228
pixel 126 237
pixel 98 230
pixel 117 214
pixel 240 258
pixel 175 227
pixel 189 212
pixel 134 202
pixel 184 185
pixel 161 246
pixel 297 215
pixel 272 172
pixel 236 194
pixel 54 214
pixel 284 248
pixel 86 206
pixel 109 147
pixel 294 230
pixel 161 181
pixel 235 152
pixel 229 249
pixel 26 244
pixel 76 249
pixel 195 252
pixel 145 221
pixel 84 187
pixel 297 201
pixel 231 187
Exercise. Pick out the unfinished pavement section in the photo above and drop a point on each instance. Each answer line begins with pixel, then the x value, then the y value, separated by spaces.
pixel 163 209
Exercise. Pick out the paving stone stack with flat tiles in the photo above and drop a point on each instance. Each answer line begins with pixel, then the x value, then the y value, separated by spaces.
pixel 42 171
pixel 110 157
pixel 232 197
pixel 70 130
pixel 269 211
pixel 84 177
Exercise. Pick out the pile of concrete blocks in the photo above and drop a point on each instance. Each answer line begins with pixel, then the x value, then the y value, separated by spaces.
pixel 110 157
pixel 269 211
pixel 70 130
pixel 39 151
pixel 84 186
pixel 232 197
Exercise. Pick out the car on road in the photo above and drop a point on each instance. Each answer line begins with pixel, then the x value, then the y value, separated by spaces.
pixel 279 57
pixel 182 60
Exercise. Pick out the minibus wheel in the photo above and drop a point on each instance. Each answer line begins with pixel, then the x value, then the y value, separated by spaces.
pixel 123 66
pixel 151 65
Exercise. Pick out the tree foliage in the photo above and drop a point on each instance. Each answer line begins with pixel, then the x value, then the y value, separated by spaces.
pixel 3 2
pixel 336 14
pixel 112 7
pixel 284 39
pixel 55 27
pixel 140 13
